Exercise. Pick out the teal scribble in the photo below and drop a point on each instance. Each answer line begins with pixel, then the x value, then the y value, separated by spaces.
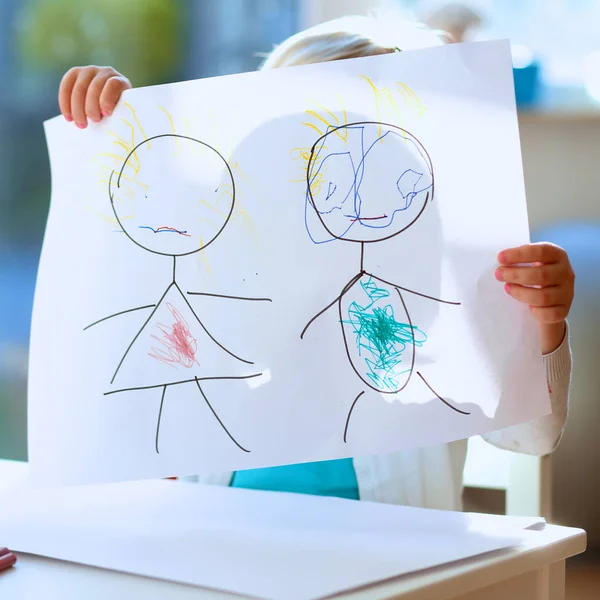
pixel 380 338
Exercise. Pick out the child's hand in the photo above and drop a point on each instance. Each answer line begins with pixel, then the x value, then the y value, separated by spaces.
pixel 540 275
pixel 7 559
pixel 90 92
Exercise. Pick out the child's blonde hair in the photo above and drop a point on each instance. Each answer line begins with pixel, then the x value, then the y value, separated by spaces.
pixel 351 37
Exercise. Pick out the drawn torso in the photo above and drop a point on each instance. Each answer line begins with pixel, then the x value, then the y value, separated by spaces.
pixel 379 336
pixel 174 344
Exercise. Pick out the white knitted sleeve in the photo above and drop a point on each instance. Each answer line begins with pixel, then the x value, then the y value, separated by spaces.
pixel 542 436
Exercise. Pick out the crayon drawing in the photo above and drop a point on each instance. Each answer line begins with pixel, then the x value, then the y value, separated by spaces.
pixel 175 211
pixel 367 182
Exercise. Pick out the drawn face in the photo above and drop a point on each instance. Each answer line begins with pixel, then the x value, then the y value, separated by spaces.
pixel 173 195
pixel 368 181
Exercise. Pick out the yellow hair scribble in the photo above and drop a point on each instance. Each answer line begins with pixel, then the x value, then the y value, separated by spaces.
pixel 135 118
pixel 172 123
pixel 312 126
pixel 240 217
pixel 389 103
pixel 416 101
pixel 130 148
pixel 243 176
pixel 333 123
pixel 203 258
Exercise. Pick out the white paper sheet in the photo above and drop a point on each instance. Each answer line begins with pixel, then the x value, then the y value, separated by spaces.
pixel 260 544
pixel 143 365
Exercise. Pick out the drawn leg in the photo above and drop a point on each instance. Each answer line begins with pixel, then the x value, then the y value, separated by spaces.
pixel 162 399
pixel 197 380
pixel 217 418
pixel 350 414
pixel 462 412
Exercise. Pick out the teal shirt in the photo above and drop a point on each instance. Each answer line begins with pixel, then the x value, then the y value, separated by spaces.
pixel 327 478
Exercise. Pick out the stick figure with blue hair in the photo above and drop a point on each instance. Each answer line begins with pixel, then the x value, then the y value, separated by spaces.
pixel 368 182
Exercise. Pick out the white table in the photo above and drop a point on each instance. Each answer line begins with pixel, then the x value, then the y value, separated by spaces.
pixel 533 571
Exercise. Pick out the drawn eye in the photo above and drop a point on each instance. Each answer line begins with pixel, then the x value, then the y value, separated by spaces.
pixel 217 189
pixel 145 196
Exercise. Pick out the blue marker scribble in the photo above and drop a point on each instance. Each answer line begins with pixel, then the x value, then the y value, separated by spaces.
pixel 331 191
pixel 409 184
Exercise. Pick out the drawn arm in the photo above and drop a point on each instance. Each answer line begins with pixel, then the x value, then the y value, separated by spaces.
pixel 248 362
pixel 331 304
pixel 399 287
pixel 119 313
pixel 246 298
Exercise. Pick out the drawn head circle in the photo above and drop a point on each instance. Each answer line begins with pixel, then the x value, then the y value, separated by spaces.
pixel 173 195
pixel 368 181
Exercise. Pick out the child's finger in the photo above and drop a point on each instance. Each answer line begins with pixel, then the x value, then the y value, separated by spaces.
pixel 531 253
pixel 111 93
pixel 548 296
pixel 92 98
pixel 552 274
pixel 80 89
pixel 65 91
pixel 549 314
pixel 7 561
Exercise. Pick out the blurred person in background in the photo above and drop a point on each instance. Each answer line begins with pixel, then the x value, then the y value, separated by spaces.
pixel 458 20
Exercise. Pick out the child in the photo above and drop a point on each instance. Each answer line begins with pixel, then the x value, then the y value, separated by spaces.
pixel 427 477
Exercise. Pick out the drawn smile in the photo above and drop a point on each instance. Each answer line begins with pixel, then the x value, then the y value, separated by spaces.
pixel 354 219
pixel 165 229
